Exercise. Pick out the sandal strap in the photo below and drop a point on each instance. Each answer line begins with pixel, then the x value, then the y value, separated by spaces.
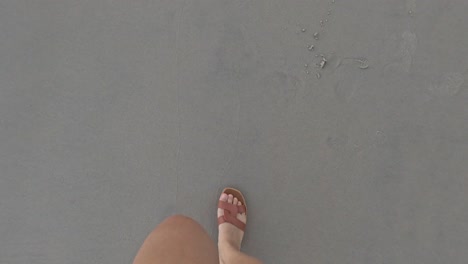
pixel 230 214
pixel 235 209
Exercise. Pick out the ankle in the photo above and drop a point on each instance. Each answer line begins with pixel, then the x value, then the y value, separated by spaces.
pixel 227 249
pixel 228 245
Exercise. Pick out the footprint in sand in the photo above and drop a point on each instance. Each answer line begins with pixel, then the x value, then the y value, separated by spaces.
pixel 404 55
pixel 410 6
pixel 450 84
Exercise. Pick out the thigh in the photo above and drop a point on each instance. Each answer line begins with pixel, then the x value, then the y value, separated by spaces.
pixel 178 239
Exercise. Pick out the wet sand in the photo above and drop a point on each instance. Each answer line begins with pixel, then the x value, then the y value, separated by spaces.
pixel 117 114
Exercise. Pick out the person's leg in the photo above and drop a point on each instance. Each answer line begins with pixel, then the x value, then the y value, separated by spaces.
pixel 230 238
pixel 178 239
pixel 231 255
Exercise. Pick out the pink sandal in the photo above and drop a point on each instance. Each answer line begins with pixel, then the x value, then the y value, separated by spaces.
pixel 231 210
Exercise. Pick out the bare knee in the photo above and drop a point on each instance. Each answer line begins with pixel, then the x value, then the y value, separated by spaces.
pixel 179 223
pixel 178 239
pixel 179 220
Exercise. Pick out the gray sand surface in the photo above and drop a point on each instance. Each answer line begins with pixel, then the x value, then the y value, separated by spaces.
pixel 115 114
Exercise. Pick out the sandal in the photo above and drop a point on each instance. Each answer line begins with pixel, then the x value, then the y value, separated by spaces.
pixel 231 210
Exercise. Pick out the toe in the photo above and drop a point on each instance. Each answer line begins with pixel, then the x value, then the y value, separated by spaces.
pixel 235 201
pixel 223 197
pixel 230 197
pixel 239 203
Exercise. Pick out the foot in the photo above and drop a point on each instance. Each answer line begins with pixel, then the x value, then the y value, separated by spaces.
pixel 230 237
